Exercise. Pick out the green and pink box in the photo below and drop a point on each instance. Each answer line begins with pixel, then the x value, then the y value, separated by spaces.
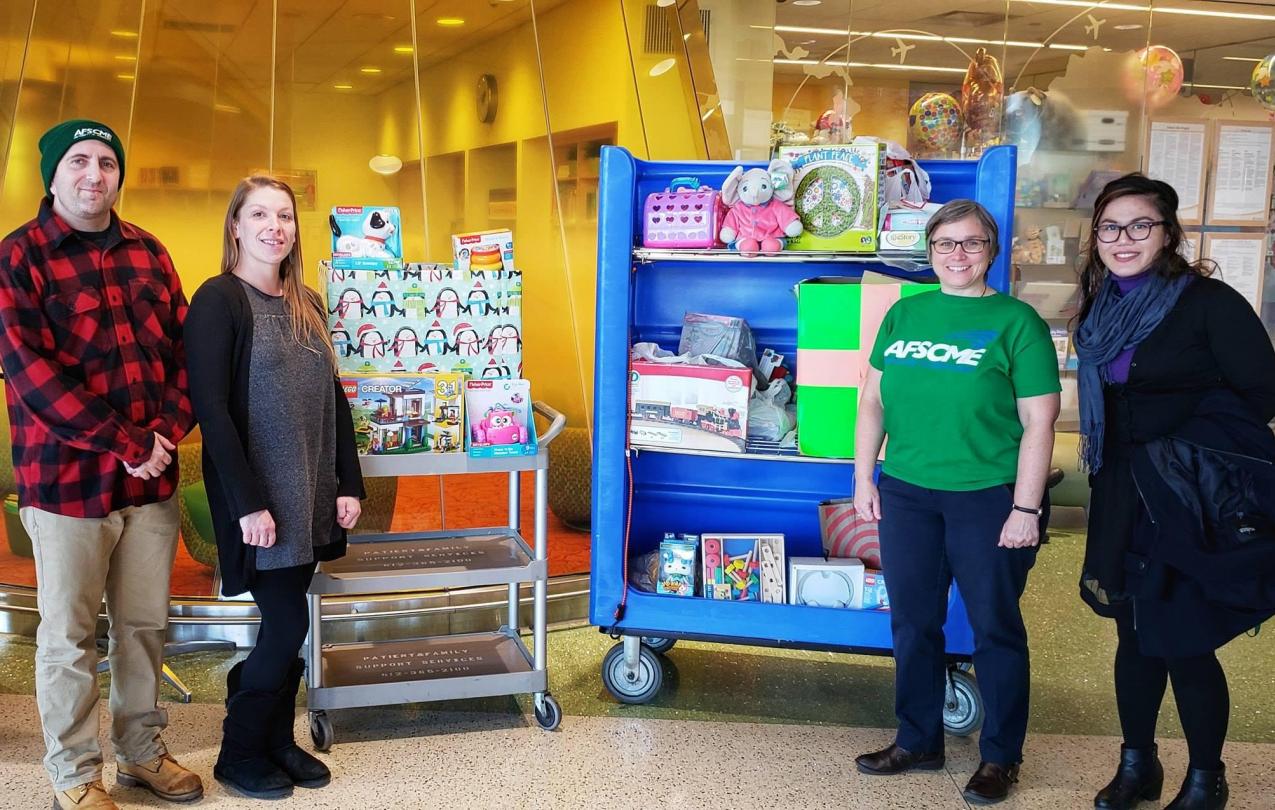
pixel 837 323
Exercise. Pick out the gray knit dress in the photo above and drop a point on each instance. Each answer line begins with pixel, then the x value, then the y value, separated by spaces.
pixel 292 434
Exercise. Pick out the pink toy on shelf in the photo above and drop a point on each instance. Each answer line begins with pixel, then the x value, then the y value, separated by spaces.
pixel 761 211
pixel 500 427
pixel 684 215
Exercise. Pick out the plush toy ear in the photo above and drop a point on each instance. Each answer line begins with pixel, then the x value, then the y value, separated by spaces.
pixel 730 189
pixel 781 176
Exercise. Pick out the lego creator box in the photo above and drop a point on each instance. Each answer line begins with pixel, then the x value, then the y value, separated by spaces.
pixel 694 407
pixel 366 237
pixel 732 566
pixel 840 195
pixel 500 420
pixel 677 567
pixel 484 254
pixel 837 323
pixel 407 414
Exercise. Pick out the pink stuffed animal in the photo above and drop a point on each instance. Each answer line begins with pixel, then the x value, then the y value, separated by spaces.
pixel 761 212
pixel 500 427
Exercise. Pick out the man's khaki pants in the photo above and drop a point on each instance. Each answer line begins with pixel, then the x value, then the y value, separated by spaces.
pixel 128 556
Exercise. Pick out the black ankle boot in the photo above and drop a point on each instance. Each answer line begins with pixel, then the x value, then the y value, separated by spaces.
pixel 1140 776
pixel 1202 790
pixel 305 770
pixel 242 764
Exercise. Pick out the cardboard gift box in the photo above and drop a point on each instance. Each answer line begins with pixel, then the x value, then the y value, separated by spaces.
pixel 837 323
pixel 689 406
pixel 840 195
pixel 844 534
pixel 407 414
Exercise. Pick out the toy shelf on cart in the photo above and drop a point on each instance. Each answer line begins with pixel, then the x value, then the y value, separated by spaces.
pixel 642 296
pixel 444 667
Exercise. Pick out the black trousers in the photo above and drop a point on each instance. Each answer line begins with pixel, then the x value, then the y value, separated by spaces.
pixel 285 619
pixel 928 538
pixel 1199 688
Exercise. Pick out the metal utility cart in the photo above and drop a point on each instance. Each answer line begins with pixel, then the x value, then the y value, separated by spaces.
pixel 640 493
pixel 447 667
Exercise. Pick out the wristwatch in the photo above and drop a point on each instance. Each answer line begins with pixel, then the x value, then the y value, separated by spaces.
pixel 1037 511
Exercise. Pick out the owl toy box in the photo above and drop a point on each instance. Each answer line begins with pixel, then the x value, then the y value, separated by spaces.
pixel 366 237
pixel 500 421
pixel 840 195
pixel 407 414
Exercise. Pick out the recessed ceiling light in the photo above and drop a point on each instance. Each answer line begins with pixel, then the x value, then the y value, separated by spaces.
pixel 124 34
pixel 806 2
pixel 385 164
pixel 369 70
pixel 227 108
pixel 449 22
pixel 664 3
pixel 661 67
pixel 125 57
pixel 403 49
pixel 343 87
pixel 1128 27
pixel 1241 59
pixel 128 77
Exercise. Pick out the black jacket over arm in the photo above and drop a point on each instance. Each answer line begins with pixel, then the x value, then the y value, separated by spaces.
pixel 218 355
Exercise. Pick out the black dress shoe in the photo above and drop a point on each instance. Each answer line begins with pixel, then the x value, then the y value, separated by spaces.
pixel 894 759
pixel 990 783
pixel 1202 790
pixel 1140 776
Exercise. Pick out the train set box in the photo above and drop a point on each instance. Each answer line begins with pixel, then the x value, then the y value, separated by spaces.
pixel 689 406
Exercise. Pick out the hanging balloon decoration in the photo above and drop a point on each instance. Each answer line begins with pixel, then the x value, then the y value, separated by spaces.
pixel 935 122
pixel 982 97
pixel 1154 73
pixel 1262 82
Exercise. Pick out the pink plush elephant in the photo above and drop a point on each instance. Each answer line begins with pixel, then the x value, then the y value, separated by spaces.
pixel 761 213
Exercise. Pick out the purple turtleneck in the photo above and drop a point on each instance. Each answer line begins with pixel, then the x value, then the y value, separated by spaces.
pixel 1118 368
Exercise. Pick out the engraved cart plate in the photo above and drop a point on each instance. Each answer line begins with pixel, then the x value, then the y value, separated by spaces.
pixel 447 555
pixel 461 656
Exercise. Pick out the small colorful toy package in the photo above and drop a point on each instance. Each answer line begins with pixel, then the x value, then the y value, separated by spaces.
pixel 500 420
pixel 366 237
pixel 677 565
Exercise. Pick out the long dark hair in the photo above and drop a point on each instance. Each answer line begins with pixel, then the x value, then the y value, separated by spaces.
pixel 1170 263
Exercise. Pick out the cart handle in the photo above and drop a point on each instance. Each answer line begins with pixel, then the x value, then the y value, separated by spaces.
pixel 556 422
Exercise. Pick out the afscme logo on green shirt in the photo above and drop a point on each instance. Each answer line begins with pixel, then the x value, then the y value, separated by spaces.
pixel 934 352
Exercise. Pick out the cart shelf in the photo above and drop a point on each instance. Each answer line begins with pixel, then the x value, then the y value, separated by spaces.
pixel 676 451
pixel 907 262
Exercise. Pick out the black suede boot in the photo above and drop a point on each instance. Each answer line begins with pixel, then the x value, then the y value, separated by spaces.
pixel 1140 776
pixel 242 764
pixel 304 769
pixel 1202 790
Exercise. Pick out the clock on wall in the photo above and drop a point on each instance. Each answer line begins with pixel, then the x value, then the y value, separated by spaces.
pixel 487 98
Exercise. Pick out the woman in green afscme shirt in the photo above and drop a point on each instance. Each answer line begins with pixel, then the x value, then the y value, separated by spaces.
pixel 964 382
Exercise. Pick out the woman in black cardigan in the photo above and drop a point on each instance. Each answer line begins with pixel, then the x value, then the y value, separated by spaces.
pixel 1173 364
pixel 280 466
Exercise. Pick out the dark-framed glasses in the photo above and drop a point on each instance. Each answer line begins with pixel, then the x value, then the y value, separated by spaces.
pixel 967 245
pixel 1110 232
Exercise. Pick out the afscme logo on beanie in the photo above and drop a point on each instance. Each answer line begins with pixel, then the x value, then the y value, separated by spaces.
pixel 92 132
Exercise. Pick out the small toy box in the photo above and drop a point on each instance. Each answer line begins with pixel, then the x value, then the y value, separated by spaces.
pixel 874 593
pixel 904 228
pixel 695 407
pixel 816 582
pixel 684 215
pixel 366 237
pixel 733 565
pixel 677 566
pixel 840 195
pixel 407 414
pixel 500 420
pixel 484 254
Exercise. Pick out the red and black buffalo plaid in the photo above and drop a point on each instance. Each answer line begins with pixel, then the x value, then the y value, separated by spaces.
pixel 91 347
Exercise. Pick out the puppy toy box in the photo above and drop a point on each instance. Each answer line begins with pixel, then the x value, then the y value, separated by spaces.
pixel 500 421
pixel 677 566
pixel 484 254
pixel 690 406
pixel 816 582
pixel 840 195
pixel 366 238
pixel 407 414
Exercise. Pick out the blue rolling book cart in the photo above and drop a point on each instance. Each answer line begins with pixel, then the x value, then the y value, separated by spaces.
pixel 642 493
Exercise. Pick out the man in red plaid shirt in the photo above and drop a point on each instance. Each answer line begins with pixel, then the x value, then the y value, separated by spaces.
pixel 91 315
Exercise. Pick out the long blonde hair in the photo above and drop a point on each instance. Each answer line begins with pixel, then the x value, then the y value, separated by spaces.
pixel 306 310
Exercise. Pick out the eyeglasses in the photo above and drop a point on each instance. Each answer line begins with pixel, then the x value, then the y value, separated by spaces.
pixel 967 245
pixel 1110 232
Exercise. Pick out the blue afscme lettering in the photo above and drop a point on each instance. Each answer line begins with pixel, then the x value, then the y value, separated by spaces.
pixel 935 352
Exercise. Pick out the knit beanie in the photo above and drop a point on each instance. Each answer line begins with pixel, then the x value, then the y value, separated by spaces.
pixel 55 143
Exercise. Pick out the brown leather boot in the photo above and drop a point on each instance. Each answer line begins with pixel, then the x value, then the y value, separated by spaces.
pixel 163 777
pixel 88 796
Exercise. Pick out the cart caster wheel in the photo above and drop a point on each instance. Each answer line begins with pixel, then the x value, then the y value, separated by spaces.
pixel 962 704
pixel 550 717
pixel 659 646
pixel 321 732
pixel 639 686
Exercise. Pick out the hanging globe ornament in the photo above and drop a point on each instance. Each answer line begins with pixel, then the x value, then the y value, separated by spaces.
pixel 1154 73
pixel 935 122
pixel 1262 83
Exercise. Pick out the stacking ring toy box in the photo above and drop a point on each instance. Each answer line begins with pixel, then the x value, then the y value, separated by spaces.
pixel 484 254
pixel 837 323
pixel 407 413
pixel 500 422
pixel 366 237
pixel 840 195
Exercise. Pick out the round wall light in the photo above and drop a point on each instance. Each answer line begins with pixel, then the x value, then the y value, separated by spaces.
pixel 385 164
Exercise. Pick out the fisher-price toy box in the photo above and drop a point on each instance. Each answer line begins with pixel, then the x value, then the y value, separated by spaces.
pixel 689 406
pixel 366 237
pixel 407 414
pixel 840 195
pixel 484 254
pixel 500 419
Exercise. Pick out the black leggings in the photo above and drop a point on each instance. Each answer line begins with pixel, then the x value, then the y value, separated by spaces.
pixel 1199 688
pixel 285 618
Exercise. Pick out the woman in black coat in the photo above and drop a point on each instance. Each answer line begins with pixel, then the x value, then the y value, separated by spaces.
pixel 1177 383
pixel 280 466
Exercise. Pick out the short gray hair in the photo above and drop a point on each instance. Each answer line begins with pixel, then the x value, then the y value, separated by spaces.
pixel 957 210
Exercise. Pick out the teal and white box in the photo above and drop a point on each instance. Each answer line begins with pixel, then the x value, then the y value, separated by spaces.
pixel 366 237
pixel 500 419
